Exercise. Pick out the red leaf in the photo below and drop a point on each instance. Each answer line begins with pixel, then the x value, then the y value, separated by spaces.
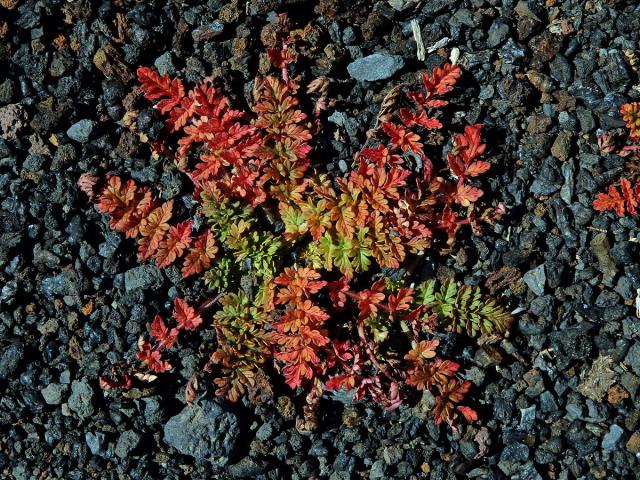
pixel 338 291
pixel 155 86
pixel 346 381
pixel 160 332
pixel 402 138
pixel 185 316
pixel 297 284
pixel 280 58
pixel 612 201
pixel 401 300
pixel 115 380
pixel 467 148
pixel 151 358
pixel 477 168
pixel 410 119
pixel 631 197
pixel 468 413
pixel 370 300
pixel 442 79
pixel 116 195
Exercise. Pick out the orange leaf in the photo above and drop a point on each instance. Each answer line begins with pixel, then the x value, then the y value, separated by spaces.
pixel 116 195
pixel 465 194
pixel 468 413
pixel 153 228
pixel 174 244
pixel 612 201
pixel 200 255
pixel 402 138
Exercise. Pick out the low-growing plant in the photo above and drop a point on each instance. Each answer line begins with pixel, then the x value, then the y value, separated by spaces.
pixel 623 197
pixel 298 256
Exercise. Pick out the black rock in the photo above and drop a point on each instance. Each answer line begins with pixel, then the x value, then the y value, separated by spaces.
pixel 53 393
pixel 82 131
pixel 497 33
pixel 81 399
pixel 624 253
pixel 207 432
pixel 127 443
pixel 377 66
pixel 144 277
pixel 95 442
pixel 10 359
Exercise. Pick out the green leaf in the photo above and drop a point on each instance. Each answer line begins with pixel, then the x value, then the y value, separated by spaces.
pixel 326 250
pixel 295 225
pixel 360 251
pixel 425 292
pixel 342 255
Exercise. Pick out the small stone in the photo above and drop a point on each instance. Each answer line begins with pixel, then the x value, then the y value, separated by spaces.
pixel 612 437
pixel 264 432
pixel 600 247
pixel 541 81
pixel 561 147
pixel 511 52
pixel 53 392
pixel 548 402
pixel 574 411
pixel 348 36
pixel 586 119
pixel 377 470
pixel 82 131
pixel 523 10
pixel 95 442
pixel 81 399
pixel 633 445
pixel 633 358
pixel 10 360
pixel 164 64
pixel 13 119
pixel 207 432
pixel 109 61
pixel 207 32
pixel 512 455
pixel 245 468
pixel 624 253
pixel 7 91
pixel 497 33
pixel 377 66
pixel 561 70
pixel 536 279
pixel 127 442
pixel 34 162
pixel 527 417
pixel 143 277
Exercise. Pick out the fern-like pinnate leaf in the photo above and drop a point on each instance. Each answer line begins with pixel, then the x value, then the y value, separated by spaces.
pixel 463 309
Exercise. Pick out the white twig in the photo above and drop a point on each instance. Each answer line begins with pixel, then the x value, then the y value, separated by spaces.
pixel 439 44
pixel 455 55
pixel 417 36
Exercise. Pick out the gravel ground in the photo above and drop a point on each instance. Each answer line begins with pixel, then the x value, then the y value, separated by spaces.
pixel 558 399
